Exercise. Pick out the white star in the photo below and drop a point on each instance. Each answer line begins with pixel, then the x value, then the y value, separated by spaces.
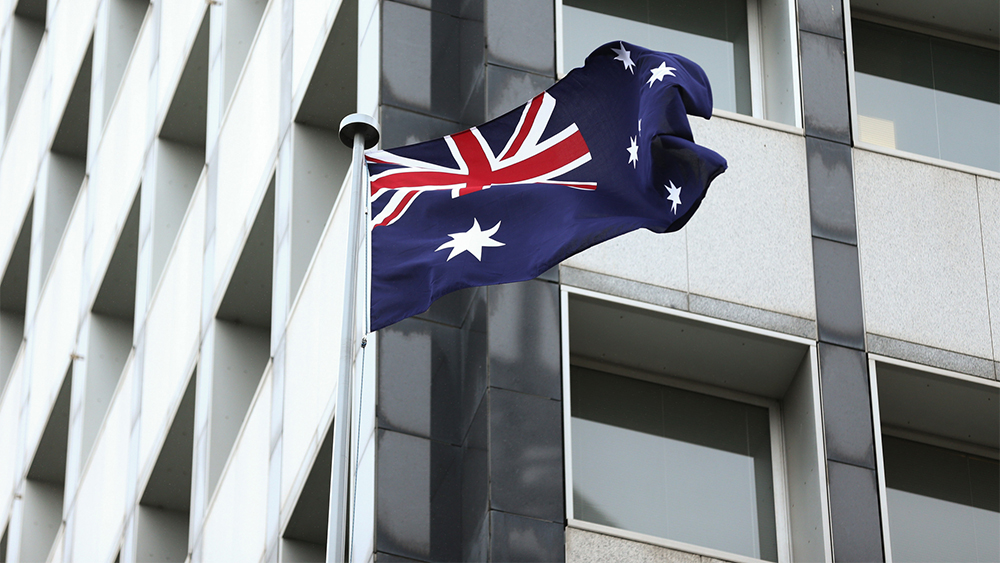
pixel 624 56
pixel 633 153
pixel 471 241
pixel 659 72
pixel 674 196
pixel 640 126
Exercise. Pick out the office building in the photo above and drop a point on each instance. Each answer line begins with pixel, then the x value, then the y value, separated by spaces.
pixel 808 371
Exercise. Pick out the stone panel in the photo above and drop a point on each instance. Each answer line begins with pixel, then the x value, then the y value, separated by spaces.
pixel 583 546
pixel 822 16
pixel 989 213
pixel 642 256
pixel 520 34
pixel 921 252
pixel 824 87
pixel 750 241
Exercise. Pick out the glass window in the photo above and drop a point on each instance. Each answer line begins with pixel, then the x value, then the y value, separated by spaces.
pixel 944 505
pixel 713 33
pixel 672 463
pixel 927 95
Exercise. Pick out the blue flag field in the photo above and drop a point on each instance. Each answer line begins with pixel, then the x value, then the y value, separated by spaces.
pixel 605 151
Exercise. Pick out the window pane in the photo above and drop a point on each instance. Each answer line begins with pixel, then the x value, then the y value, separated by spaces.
pixel 944 505
pixel 672 463
pixel 712 33
pixel 927 95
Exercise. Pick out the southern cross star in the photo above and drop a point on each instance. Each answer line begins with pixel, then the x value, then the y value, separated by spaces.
pixel 659 72
pixel 674 195
pixel 624 56
pixel 471 241
pixel 633 153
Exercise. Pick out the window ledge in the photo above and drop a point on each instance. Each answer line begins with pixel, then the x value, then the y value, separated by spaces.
pixel 870 147
pixel 661 542
pixel 733 116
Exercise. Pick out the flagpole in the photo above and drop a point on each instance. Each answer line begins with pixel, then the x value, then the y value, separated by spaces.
pixel 359 132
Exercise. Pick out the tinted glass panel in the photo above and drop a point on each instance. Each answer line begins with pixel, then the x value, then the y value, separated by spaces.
pixel 713 33
pixel 944 505
pixel 928 95
pixel 672 463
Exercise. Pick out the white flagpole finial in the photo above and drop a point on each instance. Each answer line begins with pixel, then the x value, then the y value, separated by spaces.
pixel 359 123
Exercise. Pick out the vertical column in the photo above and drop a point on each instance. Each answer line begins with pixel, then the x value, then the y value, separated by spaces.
pixel 524 424
pixel 34 281
pixel 145 284
pixel 203 385
pixel 469 455
pixel 200 481
pixel 524 418
pixel 282 293
pixel 432 452
pixel 854 505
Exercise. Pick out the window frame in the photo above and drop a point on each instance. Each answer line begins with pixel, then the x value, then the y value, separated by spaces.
pixel 873 360
pixel 853 96
pixel 758 84
pixel 779 471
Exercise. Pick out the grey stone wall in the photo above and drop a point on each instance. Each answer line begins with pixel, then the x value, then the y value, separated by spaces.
pixel 470 457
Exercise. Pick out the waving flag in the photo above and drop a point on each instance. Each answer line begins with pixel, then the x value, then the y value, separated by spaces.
pixel 606 150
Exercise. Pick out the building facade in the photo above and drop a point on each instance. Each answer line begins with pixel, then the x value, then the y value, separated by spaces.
pixel 808 371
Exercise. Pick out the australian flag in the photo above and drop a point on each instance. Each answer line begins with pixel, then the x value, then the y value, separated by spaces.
pixel 606 150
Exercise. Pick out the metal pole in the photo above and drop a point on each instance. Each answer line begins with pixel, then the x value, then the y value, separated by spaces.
pixel 360 132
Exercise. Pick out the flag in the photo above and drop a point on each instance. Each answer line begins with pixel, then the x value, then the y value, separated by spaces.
pixel 606 150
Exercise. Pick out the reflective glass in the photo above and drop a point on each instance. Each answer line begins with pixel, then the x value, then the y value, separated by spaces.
pixel 672 463
pixel 943 505
pixel 713 33
pixel 927 95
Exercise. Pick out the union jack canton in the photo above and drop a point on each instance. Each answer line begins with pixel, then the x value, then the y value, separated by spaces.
pixel 606 150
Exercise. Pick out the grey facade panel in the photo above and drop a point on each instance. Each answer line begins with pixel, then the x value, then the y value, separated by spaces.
pixel 854 509
pixel 825 17
pixel 838 294
pixel 847 414
pixel 418 500
pixel 824 87
pixel 520 33
pixel 831 190
pixel 431 61
pixel 989 220
pixel 421 374
pixel 928 253
pixel 519 538
pixel 524 348
pixel 404 127
pixel 526 455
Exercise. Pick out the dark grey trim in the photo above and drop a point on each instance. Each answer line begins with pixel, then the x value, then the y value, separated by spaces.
pixel 844 381
pixel 837 274
pixel 854 513
pixel 831 190
pixel 826 113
